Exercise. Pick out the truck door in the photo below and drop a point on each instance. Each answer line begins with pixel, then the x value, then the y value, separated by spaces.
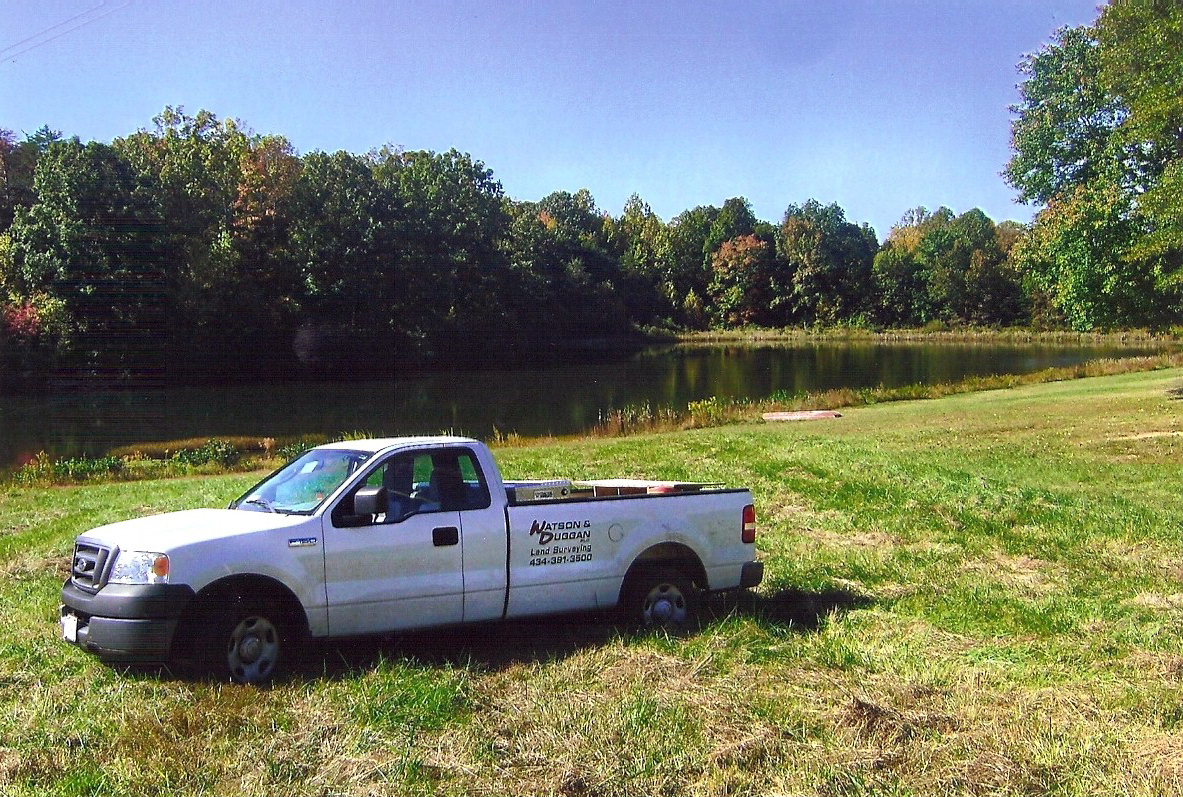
pixel 403 568
pixel 483 533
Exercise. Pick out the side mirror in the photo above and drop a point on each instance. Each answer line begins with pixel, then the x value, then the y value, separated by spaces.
pixel 370 501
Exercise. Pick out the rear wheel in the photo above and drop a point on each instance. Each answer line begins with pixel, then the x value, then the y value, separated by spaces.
pixel 661 597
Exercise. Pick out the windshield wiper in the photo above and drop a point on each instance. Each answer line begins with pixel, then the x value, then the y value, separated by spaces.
pixel 260 502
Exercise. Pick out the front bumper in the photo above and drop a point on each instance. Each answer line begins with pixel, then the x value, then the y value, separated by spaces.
pixel 125 622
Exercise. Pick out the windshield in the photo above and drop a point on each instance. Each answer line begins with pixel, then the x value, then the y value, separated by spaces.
pixel 303 484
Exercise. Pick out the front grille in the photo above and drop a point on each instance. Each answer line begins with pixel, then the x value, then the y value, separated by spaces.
pixel 89 568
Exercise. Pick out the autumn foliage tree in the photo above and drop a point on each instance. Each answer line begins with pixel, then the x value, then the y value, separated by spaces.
pixel 93 241
pixel 743 289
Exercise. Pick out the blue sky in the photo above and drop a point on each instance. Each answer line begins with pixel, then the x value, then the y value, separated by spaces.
pixel 879 106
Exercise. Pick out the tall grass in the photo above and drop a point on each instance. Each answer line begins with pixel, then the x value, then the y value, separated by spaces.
pixel 940 332
pixel 172 458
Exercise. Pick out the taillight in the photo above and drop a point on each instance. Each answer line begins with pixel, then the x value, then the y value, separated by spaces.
pixel 749 524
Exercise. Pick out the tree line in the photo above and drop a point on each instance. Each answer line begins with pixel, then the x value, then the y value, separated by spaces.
pixel 201 249
pixel 204 247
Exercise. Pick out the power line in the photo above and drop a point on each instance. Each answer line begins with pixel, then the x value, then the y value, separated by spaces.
pixel 12 51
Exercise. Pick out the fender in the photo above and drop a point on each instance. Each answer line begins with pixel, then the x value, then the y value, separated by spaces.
pixel 642 544
pixel 297 566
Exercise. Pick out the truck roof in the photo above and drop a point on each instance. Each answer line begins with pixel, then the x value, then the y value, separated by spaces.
pixel 376 444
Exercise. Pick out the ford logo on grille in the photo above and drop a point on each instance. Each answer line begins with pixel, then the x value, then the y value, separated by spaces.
pixel 83 565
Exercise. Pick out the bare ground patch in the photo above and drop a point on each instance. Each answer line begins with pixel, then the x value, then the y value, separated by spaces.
pixel 1162 755
pixel 860 539
pixel 1153 600
pixel 1027 574
pixel 36 565
pixel 1165 668
pixel 1147 436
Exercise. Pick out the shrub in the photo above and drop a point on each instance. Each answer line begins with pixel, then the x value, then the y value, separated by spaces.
pixel 221 452
pixel 707 412
pixel 168 449
pixel 293 450
pixel 43 470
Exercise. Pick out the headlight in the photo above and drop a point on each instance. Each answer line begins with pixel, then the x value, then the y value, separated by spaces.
pixel 139 567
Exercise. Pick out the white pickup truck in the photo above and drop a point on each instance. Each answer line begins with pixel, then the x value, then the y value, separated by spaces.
pixel 375 536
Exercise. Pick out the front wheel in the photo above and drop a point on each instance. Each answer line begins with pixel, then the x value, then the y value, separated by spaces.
pixel 661 597
pixel 252 645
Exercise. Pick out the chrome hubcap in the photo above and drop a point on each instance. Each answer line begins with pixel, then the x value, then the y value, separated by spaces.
pixel 250 649
pixel 253 650
pixel 664 605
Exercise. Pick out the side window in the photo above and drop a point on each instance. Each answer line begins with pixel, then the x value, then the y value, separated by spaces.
pixel 446 480
pixel 406 479
pixel 475 493
pixel 449 481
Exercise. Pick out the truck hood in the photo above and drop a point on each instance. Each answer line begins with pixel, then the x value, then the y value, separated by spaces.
pixel 163 533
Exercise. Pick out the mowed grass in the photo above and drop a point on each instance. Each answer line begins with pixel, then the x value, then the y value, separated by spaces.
pixel 979 594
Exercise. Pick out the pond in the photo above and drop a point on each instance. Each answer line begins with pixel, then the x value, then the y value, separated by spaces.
pixel 529 396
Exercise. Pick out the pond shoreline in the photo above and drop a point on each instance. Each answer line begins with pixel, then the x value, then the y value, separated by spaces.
pixel 492 356
pixel 541 395
pixel 985 335
pixel 215 455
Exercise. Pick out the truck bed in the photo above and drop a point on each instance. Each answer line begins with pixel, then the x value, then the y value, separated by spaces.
pixel 534 491
pixel 572 553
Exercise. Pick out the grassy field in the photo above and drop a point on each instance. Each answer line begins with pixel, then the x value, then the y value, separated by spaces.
pixel 978 594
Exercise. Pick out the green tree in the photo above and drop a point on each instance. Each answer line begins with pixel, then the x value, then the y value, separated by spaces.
pixel 563 275
pixel 190 164
pixel 646 265
pixel 830 261
pixel 1141 47
pixel 937 265
pixel 581 235
pixel 1097 141
pixel 1061 134
pixel 223 190
pixel 690 268
pixel 451 237
pixel 357 294
pixel 900 291
pixel 962 265
pixel 733 220
pixel 1078 254
pixel 92 241
pixel 994 288
pixel 18 165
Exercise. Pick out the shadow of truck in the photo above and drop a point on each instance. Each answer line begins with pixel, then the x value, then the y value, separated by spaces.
pixel 497 645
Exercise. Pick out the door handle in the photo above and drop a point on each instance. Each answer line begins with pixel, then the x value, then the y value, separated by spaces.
pixel 445 535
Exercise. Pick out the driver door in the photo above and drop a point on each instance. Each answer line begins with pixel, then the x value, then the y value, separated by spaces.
pixel 400 569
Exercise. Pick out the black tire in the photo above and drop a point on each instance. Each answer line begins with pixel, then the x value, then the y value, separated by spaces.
pixel 253 643
pixel 660 597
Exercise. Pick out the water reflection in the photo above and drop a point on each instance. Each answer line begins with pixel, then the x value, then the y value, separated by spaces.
pixel 531 396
